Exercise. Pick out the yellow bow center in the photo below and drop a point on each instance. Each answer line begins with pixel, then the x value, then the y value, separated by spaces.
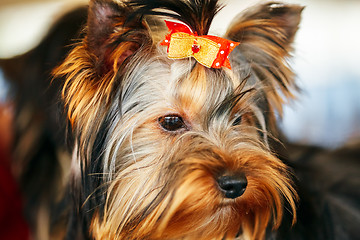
pixel 183 45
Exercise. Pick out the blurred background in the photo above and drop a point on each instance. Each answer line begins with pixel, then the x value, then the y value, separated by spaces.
pixel 326 61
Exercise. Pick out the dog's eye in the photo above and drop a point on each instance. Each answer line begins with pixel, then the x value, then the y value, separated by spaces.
pixel 237 120
pixel 172 123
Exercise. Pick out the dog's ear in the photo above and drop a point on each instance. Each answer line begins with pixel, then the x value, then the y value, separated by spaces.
pixel 93 68
pixel 266 33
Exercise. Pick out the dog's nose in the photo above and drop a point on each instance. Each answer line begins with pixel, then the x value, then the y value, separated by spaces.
pixel 232 186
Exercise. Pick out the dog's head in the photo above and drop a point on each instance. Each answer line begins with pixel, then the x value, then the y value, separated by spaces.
pixel 169 148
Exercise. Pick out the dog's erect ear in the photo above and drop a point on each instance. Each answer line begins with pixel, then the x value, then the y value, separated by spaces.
pixel 266 33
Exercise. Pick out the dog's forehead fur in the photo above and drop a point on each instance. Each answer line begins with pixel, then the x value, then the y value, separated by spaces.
pixel 181 86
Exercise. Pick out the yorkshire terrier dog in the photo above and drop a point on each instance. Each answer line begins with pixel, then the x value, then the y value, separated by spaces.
pixel 171 124
pixel 172 127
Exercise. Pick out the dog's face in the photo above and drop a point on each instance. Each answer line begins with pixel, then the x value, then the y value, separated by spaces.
pixel 170 149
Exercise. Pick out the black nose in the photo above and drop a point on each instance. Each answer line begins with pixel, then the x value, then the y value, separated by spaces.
pixel 232 186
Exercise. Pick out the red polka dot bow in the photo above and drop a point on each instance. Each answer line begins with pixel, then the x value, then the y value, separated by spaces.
pixel 210 51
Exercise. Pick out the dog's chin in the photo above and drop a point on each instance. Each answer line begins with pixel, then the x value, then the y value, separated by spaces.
pixel 191 206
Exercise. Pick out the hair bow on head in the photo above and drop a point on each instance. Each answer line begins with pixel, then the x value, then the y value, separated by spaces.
pixel 210 51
